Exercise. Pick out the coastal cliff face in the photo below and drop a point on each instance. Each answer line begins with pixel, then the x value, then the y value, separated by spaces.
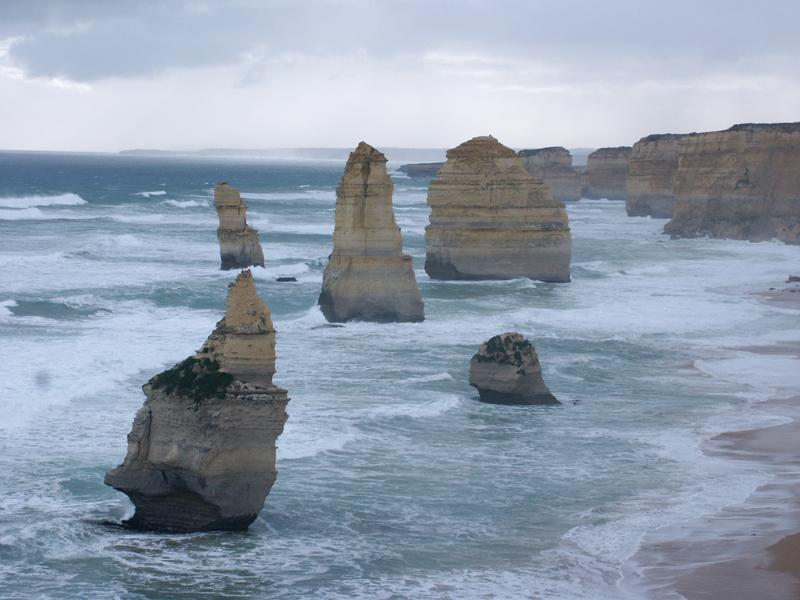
pixel 606 173
pixel 554 167
pixel 653 165
pixel 239 247
pixel 741 183
pixel 368 277
pixel 490 219
pixel 506 370
pixel 201 452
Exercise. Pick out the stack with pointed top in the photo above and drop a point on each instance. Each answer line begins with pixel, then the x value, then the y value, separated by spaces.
pixel 239 247
pixel 201 453
pixel 490 219
pixel 368 277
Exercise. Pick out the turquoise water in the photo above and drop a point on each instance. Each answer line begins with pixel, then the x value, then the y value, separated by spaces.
pixel 394 482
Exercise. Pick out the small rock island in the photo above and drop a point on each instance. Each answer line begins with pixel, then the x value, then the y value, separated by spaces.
pixel 201 452
pixel 368 278
pixel 553 165
pixel 239 247
pixel 506 370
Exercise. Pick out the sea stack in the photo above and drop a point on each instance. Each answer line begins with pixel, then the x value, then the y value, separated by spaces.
pixel 742 183
pixel 368 278
pixel 491 219
pixel 506 370
pixel 239 247
pixel 653 165
pixel 606 173
pixel 201 453
pixel 554 166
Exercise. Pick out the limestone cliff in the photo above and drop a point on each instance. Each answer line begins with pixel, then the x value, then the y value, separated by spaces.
pixel 654 162
pixel 554 166
pixel 606 173
pixel 741 183
pixel 201 452
pixel 506 370
pixel 239 247
pixel 490 219
pixel 368 278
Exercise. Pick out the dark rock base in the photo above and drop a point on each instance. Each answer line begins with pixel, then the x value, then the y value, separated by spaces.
pixel 492 397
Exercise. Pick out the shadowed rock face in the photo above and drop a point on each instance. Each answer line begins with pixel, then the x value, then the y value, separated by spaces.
pixel 421 169
pixel 653 165
pixel 606 173
pixel 554 167
pixel 506 370
pixel 201 452
pixel 490 219
pixel 742 183
pixel 368 278
pixel 239 247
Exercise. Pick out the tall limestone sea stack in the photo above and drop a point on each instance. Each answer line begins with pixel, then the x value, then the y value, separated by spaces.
pixel 653 165
pixel 491 219
pixel 554 166
pixel 201 453
pixel 368 278
pixel 239 247
pixel 606 173
pixel 741 183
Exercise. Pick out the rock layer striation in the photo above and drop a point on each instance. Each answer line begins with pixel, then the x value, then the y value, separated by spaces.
pixel 741 183
pixel 554 166
pixel 368 277
pixel 201 452
pixel 239 247
pixel 491 219
pixel 506 370
pixel 606 173
pixel 653 165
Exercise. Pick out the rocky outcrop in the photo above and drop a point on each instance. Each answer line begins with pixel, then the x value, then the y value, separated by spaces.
pixel 490 219
pixel 239 247
pixel 741 183
pixel 554 166
pixel 421 169
pixel 653 165
pixel 606 173
pixel 368 278
pixel 201 452
pixel 506 370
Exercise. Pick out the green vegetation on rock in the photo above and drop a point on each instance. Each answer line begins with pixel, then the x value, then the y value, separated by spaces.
pixel 194 378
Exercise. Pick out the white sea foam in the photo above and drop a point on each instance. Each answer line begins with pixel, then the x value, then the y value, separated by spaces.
pixel 443 376
pixel 154 193
pixel 5 305
pixel 66 199
pixel 302 194
pixel 185 203
pixel 417 409
pixel 24 214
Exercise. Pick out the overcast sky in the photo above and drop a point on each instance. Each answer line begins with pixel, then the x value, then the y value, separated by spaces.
pixel 105 75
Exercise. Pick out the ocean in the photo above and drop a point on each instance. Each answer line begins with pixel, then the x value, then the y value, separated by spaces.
pixel 393 480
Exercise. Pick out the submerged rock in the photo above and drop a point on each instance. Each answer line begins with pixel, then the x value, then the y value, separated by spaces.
pixel 554 166
pixel 239 247
pixel 654 162
pixel 491 219
pixel 606 173
pixel 201 452
pixel 742 183
pixel 506 370
pixel 368 277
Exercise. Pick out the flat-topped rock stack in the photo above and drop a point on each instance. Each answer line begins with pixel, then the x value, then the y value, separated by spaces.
pixel 506 370
pixel 368 277
pixel 741 183
pixel 653 165
pixel 553 165
pixel 201 452
pixel 606 174
pixel 239 247
pixel 491 219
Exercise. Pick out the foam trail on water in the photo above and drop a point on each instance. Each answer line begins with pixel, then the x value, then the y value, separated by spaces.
pixel 66 199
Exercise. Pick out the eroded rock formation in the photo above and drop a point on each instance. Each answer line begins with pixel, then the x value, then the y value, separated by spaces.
pixel 554 166
pixel 741 183
pixel 421 169
pixel 506 370
pixel 239 247
pixel 606 173
pixel 653 165
pixel 201 453
pixel 368 278
pixel 490 219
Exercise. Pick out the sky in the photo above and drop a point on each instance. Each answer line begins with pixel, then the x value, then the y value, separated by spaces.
pixel 105 75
